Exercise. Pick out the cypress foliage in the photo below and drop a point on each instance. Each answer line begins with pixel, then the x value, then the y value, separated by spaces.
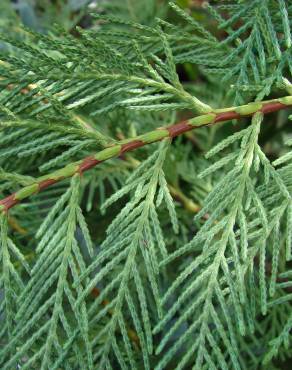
pixel 145 185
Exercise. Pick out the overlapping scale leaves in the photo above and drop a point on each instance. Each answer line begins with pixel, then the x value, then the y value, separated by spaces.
pixel 259 42
pixel 113 305
pixel 126 269
pixel 280 305
pixel 47 318
pixel 93 71
pixel 281 301
pixel 217 290
pixel 13 271
pixel 89 72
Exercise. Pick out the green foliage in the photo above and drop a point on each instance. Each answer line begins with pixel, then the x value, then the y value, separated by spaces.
pixel 176 255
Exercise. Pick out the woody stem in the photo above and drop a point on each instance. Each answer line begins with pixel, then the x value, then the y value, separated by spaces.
pixel 217 115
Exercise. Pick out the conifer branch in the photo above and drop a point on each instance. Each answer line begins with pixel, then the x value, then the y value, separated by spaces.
pixel 217 115
pixel 143 285
pixel 175 191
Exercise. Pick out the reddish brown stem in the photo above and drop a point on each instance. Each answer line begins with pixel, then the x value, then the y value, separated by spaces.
pixel 159 134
